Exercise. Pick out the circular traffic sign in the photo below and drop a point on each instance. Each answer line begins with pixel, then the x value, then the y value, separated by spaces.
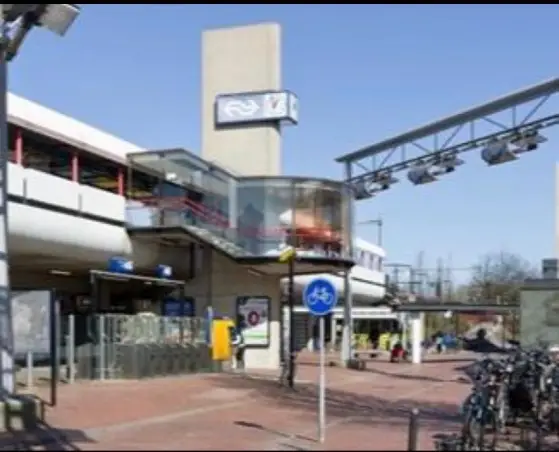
pixel 253 318
pixel 320 296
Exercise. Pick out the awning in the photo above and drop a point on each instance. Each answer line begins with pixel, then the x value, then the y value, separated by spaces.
pixel 139 279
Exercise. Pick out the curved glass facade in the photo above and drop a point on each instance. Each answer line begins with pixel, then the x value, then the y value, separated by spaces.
pixel 272 213
pixel 242 216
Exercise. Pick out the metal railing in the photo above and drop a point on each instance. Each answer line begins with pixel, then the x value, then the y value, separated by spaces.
pixel 213 226
pixel 116 346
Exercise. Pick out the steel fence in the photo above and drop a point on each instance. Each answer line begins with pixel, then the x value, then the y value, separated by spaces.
pixel 116 346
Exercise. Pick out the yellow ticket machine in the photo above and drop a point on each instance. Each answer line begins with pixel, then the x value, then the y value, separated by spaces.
pixel 222 331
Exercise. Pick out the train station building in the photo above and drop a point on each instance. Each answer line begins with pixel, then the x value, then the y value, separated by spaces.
pixel 214 224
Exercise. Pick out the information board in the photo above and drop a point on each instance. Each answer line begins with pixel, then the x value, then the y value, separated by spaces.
pixel 31 322
pixel 253 320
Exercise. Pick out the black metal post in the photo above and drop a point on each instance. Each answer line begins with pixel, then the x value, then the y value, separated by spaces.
pixel 291 301
pixel 54 344
pixel 7 385
pixel 93 317
pixel 181 296
pixel 413 430
pixel 283 326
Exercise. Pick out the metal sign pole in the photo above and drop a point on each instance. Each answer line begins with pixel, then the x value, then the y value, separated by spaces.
pixel 320 297
pixel 322 383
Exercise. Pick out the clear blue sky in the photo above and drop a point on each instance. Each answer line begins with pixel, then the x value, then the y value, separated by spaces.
pixel 362 73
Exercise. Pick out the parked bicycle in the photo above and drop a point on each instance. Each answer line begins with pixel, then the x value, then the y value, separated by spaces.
pixel 518 390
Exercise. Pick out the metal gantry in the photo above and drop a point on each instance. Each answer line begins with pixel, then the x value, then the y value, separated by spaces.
pixel 433 150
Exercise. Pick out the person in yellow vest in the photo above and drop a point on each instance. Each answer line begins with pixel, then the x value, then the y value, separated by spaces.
pixel 384 341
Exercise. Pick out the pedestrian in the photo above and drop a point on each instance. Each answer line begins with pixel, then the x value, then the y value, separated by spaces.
pixel 238 350
pixel 439 343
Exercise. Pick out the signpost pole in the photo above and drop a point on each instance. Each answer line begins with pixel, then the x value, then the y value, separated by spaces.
pixel 322 383
pixel 291 301
pixel 320 297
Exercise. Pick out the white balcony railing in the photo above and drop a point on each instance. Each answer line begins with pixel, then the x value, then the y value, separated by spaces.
pixel 45 189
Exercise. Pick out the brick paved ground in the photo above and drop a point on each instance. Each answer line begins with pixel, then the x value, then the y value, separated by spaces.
pixel 365 410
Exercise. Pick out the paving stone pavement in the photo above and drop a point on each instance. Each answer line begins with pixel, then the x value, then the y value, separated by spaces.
pixel 366 410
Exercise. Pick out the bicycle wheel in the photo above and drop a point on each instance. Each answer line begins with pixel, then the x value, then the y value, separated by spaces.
pixel 480 432
pixel 492 430
pixel 503 413
pixel 469 432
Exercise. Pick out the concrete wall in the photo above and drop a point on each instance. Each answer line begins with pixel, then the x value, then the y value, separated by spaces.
pixel 238 60
pixel 231 280
pixel 539 312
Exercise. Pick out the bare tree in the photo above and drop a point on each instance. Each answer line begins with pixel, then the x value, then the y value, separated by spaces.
pixel 498 277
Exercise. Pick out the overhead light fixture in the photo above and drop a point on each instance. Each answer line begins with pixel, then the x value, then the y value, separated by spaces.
pixel 497 151
pixel 360 190
pixel 527 141
pixel 55 18
pixel 447 164
pixel 421 175
pixel 58 18
pixel 60 272
pixel 254 273
pixel 384 180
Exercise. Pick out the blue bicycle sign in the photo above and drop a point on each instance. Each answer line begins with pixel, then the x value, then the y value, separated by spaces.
pixel 320 296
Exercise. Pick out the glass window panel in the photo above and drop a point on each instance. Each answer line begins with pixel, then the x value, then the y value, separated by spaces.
pixel 318 217
pixel 98 173
pixel 263 214
pixel 47 155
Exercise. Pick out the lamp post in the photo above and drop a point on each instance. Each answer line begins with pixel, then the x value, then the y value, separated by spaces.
pixel 288 256
pixel 15 22
pixel 379 224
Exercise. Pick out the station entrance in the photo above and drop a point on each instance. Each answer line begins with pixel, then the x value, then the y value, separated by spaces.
pixel 133 326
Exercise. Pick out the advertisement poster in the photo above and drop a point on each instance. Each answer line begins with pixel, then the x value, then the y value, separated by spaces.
pixel 31 322
pixel 253 320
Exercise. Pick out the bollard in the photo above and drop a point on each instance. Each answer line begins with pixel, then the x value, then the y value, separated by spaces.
pixel 413 429
pixel 29 369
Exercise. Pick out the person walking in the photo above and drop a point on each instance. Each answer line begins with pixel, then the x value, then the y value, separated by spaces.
pixel 238 352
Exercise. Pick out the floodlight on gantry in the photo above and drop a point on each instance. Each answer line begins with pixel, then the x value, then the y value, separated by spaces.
pixel 404 152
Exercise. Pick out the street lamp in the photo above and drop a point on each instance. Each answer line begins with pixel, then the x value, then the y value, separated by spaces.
pixel 55 18
pixel 15 22
pixel 378 222
pixel 288 256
